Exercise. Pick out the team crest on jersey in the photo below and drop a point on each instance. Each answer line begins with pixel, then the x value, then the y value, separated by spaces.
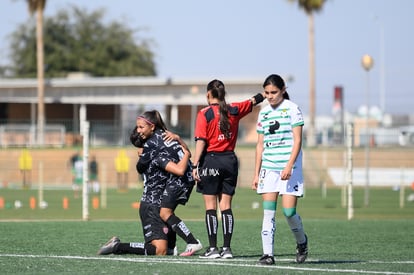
pixel 165 230
pixel 284 112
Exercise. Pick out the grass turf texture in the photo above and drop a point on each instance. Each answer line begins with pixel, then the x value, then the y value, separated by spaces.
pixel 384 204
pixel 379 240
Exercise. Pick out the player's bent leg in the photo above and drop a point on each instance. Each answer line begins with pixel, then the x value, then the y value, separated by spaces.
pixel 296 226
pixel 160 247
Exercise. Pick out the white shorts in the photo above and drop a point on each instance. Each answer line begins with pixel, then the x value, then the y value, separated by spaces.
pixel 270 182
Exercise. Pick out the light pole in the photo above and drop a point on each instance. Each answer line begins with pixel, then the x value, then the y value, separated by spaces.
pixel 381 63
pixel 367 63
pixel 382 70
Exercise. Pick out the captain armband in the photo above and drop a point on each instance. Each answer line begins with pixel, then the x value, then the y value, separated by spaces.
pixel 258 98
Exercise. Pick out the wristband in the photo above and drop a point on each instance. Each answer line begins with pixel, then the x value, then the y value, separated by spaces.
pixel 258 98
pixel 194 166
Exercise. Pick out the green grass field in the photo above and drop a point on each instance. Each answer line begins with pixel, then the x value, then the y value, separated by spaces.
pixel 379 240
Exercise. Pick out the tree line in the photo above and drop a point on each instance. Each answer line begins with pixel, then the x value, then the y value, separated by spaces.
pixel 76 40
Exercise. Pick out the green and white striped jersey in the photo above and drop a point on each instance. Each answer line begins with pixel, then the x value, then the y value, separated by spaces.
pixel 276 126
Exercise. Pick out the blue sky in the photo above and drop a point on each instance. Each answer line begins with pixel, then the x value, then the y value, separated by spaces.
pixel 252 39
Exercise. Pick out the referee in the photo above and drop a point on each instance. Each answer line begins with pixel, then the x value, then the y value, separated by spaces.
pixel 216 165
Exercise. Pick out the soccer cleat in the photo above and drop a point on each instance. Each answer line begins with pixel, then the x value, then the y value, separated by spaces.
pixel 172 251
pixel 110 246
pixel 267 260
pixel 302 251
pixel 192 248
pixel 211 253
pixel 226 253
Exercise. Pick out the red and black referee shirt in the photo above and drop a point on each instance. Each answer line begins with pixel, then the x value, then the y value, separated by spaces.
pixel 208 129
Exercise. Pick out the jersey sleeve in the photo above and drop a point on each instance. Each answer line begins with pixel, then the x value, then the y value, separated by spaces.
pixel 149 151
pixel 259 124
pixel 297 117
pixel 200 131
pixel 245 107
pixel 169 151
pixel 161 162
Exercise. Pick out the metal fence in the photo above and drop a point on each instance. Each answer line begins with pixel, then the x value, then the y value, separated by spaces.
pixel 61 133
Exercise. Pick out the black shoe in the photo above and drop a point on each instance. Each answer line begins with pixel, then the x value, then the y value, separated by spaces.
pixel 267 260
pixel 302 251
pixel 109 247
pixel 226 253
pixel 211 253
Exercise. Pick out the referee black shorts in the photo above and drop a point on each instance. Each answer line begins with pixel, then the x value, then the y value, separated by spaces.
pixel 218 173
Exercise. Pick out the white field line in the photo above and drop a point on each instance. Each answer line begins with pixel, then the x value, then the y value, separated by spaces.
pixel 220 262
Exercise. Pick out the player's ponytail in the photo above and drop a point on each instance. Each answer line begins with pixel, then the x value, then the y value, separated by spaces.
pixel 217 90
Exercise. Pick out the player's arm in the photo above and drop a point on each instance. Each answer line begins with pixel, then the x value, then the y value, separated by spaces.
pixel 297 144
pixel 180 167
pixel 199 149
pixel 258 160
pixel 257 99
pixel 169 136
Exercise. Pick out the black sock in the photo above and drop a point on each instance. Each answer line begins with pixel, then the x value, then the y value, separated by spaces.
pixel 150 249
pixel 130 248
pixel 172 237
pixel 211 224
pixel 181 229
pixel 135 248
pixel 228 224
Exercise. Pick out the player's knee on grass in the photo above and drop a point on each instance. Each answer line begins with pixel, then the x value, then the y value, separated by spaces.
pixel 157 247
pixel 161 251
pixel 289 212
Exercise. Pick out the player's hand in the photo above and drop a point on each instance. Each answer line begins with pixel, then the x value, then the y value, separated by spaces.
pixel 196 174
pixel 186 152
pixel 170 136
pixel 255 183
pixel 286 174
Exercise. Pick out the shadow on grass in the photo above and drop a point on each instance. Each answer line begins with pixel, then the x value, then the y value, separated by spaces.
pixel 308 261
pixel 333 262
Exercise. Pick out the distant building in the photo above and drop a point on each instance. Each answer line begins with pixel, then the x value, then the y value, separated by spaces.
pixel 112 104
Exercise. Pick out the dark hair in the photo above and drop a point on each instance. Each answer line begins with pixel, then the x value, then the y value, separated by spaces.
pixel 151 117
pixel 154 117
pixel 217 90
pixel 135 139
pixel 277 81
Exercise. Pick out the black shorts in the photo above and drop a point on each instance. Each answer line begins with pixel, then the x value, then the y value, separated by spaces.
pixel 174 195
pixel 152 225
pixel 218 174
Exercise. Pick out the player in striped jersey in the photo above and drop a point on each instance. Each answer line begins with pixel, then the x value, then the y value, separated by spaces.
pixel 278 166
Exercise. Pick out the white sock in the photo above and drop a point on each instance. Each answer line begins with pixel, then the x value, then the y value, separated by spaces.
pixel 295 224
pixel 268 231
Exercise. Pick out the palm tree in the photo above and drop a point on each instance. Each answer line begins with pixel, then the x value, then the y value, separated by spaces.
pixel 38 6
pixel 310 7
